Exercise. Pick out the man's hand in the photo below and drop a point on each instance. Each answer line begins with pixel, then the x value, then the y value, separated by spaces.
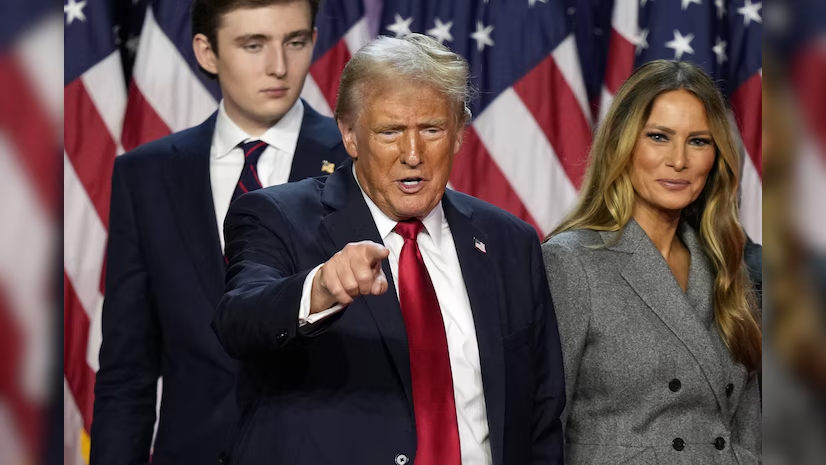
pixel 355 270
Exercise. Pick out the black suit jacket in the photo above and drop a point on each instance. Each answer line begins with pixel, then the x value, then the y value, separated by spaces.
pixel 341 392
pixel 164 279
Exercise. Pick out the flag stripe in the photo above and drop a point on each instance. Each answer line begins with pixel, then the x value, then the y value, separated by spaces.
pixel 104 84
pixel 144 123
pixel 31 131
pixel 545 93
pixel 620 62
pixel 89 146
pixel 566 57
pixel 313 95
pixel 324 74
pixel 746 103
pixel 167 82
pixel 532 167
pixel 79 376
pixel 357 36
pixel 43 64
pixel 751 201
pixel 477 174
pixel 84 239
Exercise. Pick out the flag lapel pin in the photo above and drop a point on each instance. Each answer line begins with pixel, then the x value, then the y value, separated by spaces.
pixel 479 245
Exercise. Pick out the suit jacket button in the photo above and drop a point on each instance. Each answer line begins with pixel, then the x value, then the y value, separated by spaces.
pixel 729 389
pixel 401 459
pixel 678 444
pixel 281 336
pixel 720 443
pixel 675 385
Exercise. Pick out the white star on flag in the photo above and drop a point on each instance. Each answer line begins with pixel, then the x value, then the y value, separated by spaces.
pixel 719 49
pixel 686 3
pixel 441 31
pixel 721 8
pixel 642 41
pixel 74 10
pixel 482 36
pixel 401 27
pixel 681 44
pixel 531 3
pixel 750 12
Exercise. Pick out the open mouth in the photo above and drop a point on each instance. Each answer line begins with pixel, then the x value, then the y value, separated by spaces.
pixel 411 185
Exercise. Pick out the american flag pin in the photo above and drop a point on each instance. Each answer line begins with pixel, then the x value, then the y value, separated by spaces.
pixel 479 245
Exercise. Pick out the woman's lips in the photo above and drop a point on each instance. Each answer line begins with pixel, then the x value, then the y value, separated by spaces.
pixel 674 184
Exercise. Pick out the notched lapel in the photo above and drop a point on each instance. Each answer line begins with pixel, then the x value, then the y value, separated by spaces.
pixel 187 180
pixel 651 278
pixel 482 283
pixel 350 221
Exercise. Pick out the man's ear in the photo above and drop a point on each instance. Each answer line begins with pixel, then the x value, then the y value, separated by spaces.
pixel 205 54
pixel 348 137
pixel 460 136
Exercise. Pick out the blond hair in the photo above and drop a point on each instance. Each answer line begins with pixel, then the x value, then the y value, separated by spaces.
pixel 415 57
pixel 607 196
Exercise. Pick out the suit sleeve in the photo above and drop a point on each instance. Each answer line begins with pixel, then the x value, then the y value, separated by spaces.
pixel 547 435
pixel 569 286
pixel 130 355
pixel 259 312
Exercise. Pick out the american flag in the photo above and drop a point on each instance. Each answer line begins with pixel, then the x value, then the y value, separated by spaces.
pixel 542 68
pixel 722 36
pixel 30 124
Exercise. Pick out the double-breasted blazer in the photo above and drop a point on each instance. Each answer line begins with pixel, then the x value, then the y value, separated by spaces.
pixel 648 378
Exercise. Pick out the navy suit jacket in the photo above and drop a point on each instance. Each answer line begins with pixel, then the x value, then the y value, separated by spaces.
pixel 341 392
pixel 164 279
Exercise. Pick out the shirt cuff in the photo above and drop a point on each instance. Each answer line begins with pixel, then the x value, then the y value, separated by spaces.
pixel 304 317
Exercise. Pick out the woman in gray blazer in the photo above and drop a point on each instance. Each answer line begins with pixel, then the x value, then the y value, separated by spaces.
pixel 660 333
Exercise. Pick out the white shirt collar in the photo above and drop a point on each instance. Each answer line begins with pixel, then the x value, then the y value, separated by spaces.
pixel 283 135
pixel 433 222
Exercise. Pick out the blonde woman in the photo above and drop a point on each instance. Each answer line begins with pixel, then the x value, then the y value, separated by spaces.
pixel 660 336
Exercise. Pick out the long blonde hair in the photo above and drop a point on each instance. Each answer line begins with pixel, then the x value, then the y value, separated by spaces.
pixel 607 196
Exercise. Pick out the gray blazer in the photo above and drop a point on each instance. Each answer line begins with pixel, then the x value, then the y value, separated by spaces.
pixel 648 378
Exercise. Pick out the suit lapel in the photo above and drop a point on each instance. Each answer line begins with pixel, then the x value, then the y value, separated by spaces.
pixel 651 278
pixel 351 221
pixel 482 283
pixel 187 179
pixel 700 295
pixel 312 151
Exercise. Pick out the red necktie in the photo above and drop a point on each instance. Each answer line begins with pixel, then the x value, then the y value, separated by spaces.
pixel 436 427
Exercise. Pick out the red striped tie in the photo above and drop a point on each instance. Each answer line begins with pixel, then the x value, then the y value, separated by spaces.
pixel 249 181
pixel 433 405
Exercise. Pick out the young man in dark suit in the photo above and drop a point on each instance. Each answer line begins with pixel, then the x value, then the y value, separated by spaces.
pixel 380 317
pixel 165 271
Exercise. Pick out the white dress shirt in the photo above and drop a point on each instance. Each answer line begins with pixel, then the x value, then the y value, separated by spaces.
pixel 226 158
pixel 442 263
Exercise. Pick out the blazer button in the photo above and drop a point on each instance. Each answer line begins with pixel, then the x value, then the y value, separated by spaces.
pixel 729 389
pixel 401 459
pixel 678 444
pixel 720 443
pixel 281 336
pixel 675 385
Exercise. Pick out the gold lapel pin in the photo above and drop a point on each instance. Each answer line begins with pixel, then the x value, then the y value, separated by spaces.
pixel 327 167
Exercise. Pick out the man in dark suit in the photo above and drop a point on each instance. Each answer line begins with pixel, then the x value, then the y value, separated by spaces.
pixel 165 271
pixel 380 317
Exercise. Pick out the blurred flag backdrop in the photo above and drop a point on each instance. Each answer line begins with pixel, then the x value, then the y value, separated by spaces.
pixel 545 71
